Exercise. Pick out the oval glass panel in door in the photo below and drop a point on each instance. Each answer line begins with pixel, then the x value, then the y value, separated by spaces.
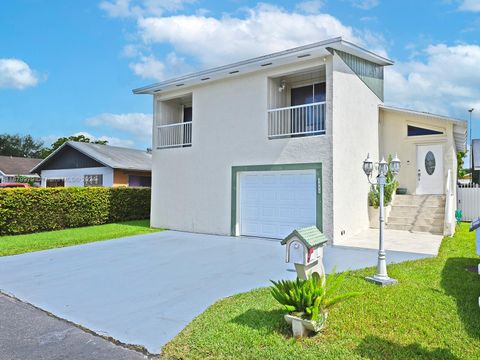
pixel 429 163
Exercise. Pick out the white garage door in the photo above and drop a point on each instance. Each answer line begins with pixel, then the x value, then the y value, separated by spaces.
pixel 274 203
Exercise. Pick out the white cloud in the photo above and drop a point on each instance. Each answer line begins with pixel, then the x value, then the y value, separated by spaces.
pixel 470 5
pixel 446 82
pixel 208 41
pixel 16 74
pixel 137 124
pixel 310 6
pixel 116 8
pixel 264 29
pixel 114 141
pixel 149 67
pixel 136 8
pixel 365 4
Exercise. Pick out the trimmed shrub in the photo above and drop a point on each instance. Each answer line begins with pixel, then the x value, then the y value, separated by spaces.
pixel 27 210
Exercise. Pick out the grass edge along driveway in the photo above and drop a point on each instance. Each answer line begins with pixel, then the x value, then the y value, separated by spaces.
pixel 432 313
pixel 19 244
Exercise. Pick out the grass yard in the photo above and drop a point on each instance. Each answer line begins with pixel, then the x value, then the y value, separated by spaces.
pixel 18 244
pixel 432 313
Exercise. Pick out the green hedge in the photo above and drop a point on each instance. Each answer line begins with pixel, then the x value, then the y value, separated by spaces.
pixel 26 210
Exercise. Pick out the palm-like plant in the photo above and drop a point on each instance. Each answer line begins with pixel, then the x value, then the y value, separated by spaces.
pixel 312 297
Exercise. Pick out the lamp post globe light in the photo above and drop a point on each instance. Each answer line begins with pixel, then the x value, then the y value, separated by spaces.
pixel 381 277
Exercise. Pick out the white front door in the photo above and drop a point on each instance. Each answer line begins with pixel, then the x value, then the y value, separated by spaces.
pixel 430 169
pixel 274 203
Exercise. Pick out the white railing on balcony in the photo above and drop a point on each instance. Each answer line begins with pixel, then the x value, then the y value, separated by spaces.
pixel 300 120
pixel 174 135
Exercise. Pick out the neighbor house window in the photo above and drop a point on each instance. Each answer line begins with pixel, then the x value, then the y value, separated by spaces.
pixel 93 180
pixel 419 131
pixel 55 182
pixel 141 181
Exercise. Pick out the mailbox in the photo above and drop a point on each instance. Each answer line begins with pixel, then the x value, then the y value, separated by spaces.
pixel 304 248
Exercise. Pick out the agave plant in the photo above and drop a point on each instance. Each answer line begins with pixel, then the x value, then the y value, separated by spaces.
pixel 312 297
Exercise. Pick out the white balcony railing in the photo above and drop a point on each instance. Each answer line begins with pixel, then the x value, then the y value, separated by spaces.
pixel 174 135
pixel 300 120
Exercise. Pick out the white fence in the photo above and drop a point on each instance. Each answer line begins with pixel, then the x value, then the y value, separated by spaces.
pixel 468 198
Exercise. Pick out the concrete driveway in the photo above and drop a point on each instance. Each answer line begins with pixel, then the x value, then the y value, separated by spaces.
pixel 144 289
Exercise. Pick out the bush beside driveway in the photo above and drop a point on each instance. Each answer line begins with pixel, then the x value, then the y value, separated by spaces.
pixel 30 210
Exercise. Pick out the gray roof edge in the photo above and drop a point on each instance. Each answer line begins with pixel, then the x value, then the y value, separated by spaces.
pixel 329 42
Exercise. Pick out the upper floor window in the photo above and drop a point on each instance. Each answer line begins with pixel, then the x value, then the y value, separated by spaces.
pixel 308 94
pixel 173 119
pixel 297 104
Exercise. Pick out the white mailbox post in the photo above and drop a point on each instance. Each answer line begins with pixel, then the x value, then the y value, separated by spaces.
pixel 304 248
pixel 475 225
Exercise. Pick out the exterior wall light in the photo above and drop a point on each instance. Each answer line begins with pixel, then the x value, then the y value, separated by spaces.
pixel 368 165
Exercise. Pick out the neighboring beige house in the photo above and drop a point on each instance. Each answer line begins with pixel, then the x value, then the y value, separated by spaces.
pixel 88 164
pixel 11 167
pixel 270 144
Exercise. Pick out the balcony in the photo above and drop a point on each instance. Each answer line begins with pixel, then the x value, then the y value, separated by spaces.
pixel 174 135
pixel 297 121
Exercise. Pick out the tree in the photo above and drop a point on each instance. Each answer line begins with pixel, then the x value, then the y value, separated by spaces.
pixel 79 138
pixel 461 172
pixel 21 146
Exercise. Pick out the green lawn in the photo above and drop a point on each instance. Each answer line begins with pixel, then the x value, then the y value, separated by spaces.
pixel 432 313
pixel 18 244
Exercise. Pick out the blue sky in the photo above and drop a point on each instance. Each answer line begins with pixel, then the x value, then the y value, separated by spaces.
pixel 69 66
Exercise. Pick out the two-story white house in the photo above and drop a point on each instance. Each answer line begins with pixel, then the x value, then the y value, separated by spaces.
pixel 266 145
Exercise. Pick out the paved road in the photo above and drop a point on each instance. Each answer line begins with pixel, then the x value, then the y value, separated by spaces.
pixel 145 289
pixel 27 333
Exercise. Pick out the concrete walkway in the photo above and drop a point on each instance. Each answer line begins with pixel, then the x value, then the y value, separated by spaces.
pixel 396 240
pixel 145 289
pixel 27 333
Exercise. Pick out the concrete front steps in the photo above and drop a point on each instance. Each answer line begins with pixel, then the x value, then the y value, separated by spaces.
pixel 420 213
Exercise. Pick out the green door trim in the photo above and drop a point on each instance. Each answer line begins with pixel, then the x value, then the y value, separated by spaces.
pixel 276 167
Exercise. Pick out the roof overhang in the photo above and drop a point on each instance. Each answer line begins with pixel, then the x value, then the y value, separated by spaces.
pixel 459 126
pixel 290 56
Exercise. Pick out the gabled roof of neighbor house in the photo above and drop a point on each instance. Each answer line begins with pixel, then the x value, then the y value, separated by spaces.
pixel 309 236
pixel 301 53
pixel 11 165
pixel 112 156
pixel 459 126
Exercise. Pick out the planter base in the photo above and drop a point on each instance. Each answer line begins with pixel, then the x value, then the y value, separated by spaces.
pixel 302 327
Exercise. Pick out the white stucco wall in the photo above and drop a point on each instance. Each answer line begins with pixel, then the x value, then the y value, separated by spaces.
pixel 75 177
pixel 394 139
pixel 355 133
pixel 230 129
